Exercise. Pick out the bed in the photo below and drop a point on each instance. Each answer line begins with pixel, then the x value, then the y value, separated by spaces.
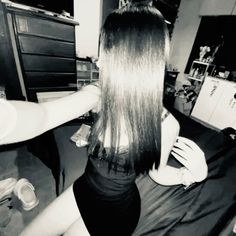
pixel 206 208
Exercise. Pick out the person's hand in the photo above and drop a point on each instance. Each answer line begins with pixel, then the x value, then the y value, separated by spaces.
pixel 192 157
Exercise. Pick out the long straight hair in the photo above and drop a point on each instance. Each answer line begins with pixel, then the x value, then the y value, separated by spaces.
pixel 133 52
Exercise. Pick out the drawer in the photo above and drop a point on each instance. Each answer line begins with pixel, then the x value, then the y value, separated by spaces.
pixel 39 63
pixel 32 92
pixel 47 79
pixel 44 46
pixel 44 28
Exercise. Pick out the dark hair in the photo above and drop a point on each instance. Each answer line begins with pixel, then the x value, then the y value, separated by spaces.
pixel 133 52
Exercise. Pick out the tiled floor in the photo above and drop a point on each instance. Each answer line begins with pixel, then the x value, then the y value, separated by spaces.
pixel 19 163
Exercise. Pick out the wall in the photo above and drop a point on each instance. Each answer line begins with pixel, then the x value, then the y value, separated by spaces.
pixel 90 14
pixel 186 26
pixel 184 34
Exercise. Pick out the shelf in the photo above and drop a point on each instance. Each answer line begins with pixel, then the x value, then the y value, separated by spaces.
pixel 201 62
pixel 169 85
pixel 199 70
pixel 87 80
pixel 193 78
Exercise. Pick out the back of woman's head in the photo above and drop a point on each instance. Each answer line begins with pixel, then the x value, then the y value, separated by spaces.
pixel 133 53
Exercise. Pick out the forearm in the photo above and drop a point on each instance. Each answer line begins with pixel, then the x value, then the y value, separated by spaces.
pixel 167 175
pixel 20 121
pixel 68 108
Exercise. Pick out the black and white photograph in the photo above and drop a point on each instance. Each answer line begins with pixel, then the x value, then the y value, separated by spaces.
pixel 117 118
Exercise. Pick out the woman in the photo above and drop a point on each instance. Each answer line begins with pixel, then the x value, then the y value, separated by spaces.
pixel 133 135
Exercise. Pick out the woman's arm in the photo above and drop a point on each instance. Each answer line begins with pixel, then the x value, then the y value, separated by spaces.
pixel 191 156
pixel 165 174
pixel 21 121
pixel 186 152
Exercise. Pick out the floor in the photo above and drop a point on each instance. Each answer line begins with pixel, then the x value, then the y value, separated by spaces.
pixel 19 163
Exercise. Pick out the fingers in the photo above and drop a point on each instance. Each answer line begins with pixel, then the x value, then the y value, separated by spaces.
pixel 183 146
pixel 190 155
pixel 180 158
pixel 184 150
pixel 180 152
pixel 189 143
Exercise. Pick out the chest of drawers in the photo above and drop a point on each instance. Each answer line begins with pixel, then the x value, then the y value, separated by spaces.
pixel 44 51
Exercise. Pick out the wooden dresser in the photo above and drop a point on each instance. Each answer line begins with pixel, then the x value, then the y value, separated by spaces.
pixel 43 46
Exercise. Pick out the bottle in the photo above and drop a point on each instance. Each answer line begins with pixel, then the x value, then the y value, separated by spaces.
pixel 191 73
pixel 196 73
pixel 214 73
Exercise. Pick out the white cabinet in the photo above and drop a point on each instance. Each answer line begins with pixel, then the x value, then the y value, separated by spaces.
pixel 224 114
pixel 216 103
pixel 208 98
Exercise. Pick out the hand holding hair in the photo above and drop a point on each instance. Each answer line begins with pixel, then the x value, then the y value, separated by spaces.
pixel 190 155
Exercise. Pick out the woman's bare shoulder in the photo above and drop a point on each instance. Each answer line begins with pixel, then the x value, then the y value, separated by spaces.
pixel 170 123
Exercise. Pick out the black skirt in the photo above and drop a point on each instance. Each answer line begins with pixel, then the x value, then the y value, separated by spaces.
pixel 109 204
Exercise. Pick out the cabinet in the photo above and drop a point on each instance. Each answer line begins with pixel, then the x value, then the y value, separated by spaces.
pixel 9 80
pixel 224 114
pixel 216 103
pixel 44 51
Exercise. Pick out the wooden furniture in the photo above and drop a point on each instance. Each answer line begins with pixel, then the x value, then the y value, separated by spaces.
pixel 9 79
pixel 216 103
pixel 44 51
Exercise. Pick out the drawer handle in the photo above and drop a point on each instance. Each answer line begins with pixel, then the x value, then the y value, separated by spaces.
pixel 235 96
